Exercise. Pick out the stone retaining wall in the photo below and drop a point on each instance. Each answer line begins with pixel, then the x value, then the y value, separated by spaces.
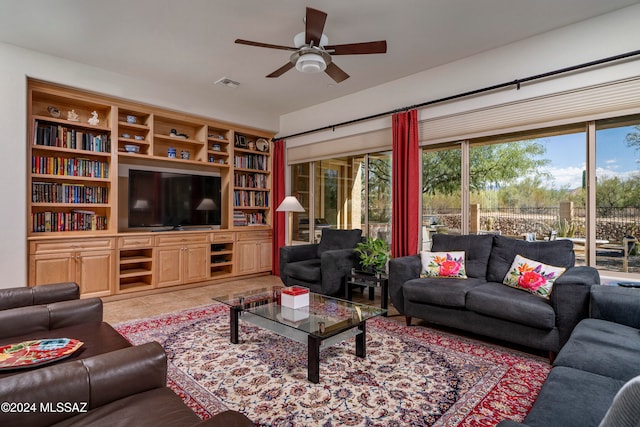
pixel 610 230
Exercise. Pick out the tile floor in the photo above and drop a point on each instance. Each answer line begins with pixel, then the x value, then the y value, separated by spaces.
pixel 167 302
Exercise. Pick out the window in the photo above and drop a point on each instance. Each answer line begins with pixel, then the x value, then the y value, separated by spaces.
pixel 530 185
pixel 441 192
pixel 376 195
pixel 617 193
pixel 348 192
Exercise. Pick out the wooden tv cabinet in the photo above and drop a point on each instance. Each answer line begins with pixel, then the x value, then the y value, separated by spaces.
pixel 79 143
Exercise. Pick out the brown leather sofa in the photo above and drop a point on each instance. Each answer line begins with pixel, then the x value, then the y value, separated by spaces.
pixel 42 294
pixel 31 313
pixel 125 387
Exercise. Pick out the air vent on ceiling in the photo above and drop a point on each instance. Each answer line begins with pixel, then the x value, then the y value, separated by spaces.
pixel 227 82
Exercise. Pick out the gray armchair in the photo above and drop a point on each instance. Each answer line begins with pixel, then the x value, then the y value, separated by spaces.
pixel 321 267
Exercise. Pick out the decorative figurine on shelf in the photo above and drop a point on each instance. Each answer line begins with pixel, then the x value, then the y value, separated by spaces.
pixel 93 120
pixel 175 134
pixel 252 145
pixel 72 116
pixel 53 111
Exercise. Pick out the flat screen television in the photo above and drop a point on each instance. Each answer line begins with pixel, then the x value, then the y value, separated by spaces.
pixel 169 199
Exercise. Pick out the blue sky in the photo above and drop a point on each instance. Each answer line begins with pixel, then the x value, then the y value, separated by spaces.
pixel 568 156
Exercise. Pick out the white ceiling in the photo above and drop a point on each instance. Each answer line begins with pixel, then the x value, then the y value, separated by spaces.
pixel 190 43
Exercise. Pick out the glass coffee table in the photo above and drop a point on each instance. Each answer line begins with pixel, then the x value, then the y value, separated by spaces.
pixel 324 322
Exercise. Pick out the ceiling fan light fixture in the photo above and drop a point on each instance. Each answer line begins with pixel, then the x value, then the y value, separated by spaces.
pixel 299 40
pixel 311 63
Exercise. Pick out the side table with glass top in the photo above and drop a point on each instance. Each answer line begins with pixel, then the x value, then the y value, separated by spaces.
pixel 324 322
pixel 372 281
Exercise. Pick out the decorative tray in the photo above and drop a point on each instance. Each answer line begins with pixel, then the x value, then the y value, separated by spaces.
pixel 36 352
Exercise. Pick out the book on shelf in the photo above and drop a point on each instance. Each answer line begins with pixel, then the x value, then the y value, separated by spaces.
pixel 55 135
pixel 54 192
pixel 239 218
pixel 65 166
pixel 76 220
pixel 251 161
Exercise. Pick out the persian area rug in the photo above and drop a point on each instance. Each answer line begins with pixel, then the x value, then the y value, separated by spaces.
pixel 412 376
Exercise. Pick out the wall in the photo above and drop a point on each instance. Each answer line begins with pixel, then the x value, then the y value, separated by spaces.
pixel 593 39
pixel 16 65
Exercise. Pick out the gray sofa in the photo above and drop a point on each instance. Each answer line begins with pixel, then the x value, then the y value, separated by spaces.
pixel 481 304
pixel 584 387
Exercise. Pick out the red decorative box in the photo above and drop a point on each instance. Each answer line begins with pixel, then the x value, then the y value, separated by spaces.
pixel 295 297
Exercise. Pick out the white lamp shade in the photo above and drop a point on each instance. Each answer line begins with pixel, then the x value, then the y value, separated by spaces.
pixel 311 63
pixel 290 204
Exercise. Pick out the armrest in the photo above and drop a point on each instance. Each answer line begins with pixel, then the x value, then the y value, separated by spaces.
pixel 41 294
pixel 125 372
pixel 570 298
pixel 335 265
pixel 400 270
pixel 616 304
pixel 296 253
pixel 25 320
pixel 96 380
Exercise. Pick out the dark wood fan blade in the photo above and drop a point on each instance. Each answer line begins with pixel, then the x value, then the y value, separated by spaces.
pixel 314 26
pixel 280 71
pixel 336 73
pixel 270 46
pixel 358 48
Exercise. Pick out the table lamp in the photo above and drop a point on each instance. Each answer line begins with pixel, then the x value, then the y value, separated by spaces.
pixel 290 205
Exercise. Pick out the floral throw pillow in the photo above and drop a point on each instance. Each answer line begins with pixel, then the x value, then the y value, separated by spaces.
pixel 532 276
pixel 443 264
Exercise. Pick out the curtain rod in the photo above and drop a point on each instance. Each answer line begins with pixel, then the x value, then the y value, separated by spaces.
pixel 516 83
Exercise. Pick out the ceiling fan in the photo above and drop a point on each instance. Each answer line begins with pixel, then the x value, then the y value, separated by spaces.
pixel 312 54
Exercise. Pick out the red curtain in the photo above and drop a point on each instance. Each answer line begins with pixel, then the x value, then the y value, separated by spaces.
pixel 405 221
pixel 278 194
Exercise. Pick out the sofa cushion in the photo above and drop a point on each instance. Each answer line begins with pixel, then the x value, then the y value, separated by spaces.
pixel 532 276
pixel 157 407
pixel 604 348
pixel 477 249
pixel 308 270
pixel 558 252
pixel 502 302
pixel 338 239
pixel 445 292
pixel 570 397
pixel 443 264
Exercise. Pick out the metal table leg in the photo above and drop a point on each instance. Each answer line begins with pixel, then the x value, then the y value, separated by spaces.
pixel 234 314
pixel 361 341
pixel 313 356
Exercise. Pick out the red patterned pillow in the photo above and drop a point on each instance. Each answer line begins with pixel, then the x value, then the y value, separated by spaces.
pixel 443 264
pixel 532 276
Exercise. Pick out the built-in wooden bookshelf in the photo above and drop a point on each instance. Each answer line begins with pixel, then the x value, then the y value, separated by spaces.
pixel 71 173
pixel 79 141
pixel 251 181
